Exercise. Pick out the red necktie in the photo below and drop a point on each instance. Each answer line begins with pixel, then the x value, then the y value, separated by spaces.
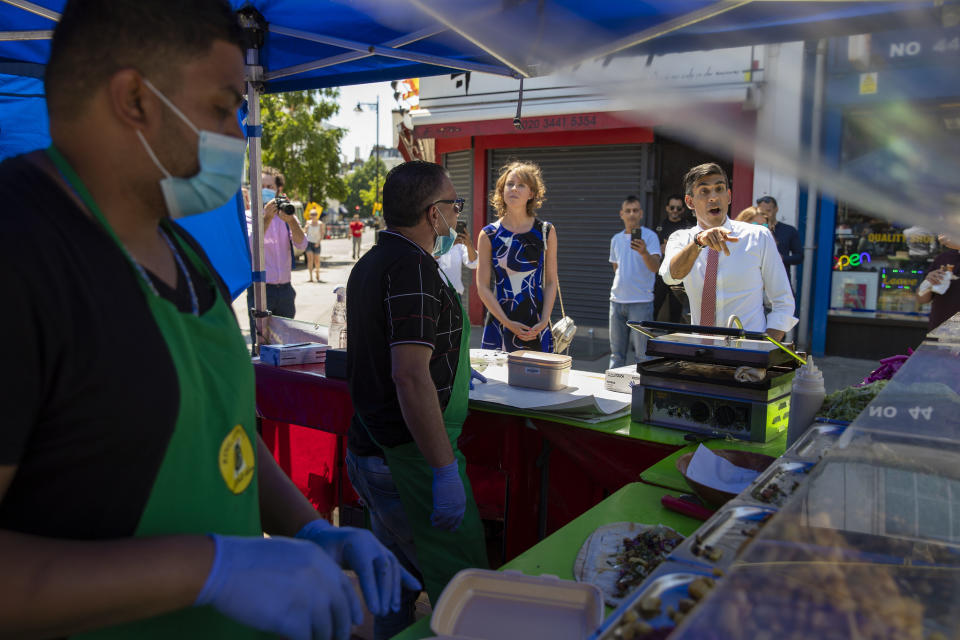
pixel 708 299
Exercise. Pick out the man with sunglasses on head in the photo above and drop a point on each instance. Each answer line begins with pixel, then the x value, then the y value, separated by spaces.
pixel 676 219
pixel 408 366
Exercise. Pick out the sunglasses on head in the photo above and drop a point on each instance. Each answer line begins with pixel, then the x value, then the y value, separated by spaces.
pixel 764 200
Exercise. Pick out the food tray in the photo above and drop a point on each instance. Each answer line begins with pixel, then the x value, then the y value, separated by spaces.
pixel 826 600
pixel 815 442
pixel 507 605
pixel 720 540
pixel 670 584
pixel 779 482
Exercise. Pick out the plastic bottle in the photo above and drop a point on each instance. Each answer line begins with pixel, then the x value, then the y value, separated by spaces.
pixel 806 397
pixel 337 337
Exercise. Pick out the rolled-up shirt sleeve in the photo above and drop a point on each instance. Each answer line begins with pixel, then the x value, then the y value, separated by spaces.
pixel 467 262
pixel 675 244
pixel 299 245
pixel 776 287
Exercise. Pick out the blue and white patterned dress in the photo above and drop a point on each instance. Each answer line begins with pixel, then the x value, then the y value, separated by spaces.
pixel 518 265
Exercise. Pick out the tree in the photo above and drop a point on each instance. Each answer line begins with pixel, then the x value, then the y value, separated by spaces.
pixel 361 187
pixel 296 142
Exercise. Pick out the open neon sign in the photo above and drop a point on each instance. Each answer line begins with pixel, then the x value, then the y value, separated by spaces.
pixel 852 260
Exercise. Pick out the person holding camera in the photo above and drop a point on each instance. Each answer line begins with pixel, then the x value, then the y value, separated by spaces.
pixel 635 256
pixel 461 253
pixel 280 229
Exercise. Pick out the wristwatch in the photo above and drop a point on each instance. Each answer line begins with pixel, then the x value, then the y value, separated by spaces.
pixel 696 240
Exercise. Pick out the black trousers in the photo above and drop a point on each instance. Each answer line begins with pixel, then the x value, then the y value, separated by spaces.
pixel 280 302
pixel 661 293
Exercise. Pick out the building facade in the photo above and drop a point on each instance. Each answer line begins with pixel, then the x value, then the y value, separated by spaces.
pixel 626 126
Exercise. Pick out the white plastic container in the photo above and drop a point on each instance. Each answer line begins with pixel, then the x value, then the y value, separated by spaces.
pixel 538 370
pixel 805 399
pixel 621 379
pixel 508 605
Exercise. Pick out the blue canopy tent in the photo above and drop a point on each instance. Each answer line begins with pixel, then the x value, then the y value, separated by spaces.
pixel 303 44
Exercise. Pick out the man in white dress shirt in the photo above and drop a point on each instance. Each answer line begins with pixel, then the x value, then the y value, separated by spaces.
pixel 727 267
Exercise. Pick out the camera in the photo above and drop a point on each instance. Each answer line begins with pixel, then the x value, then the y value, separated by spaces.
pixel 284 205
pixel 461 227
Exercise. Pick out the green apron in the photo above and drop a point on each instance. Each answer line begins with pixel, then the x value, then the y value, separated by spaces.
pixel 440 554
pixel 207 480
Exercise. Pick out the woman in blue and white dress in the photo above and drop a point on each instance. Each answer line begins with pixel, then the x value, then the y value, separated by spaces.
pixel 521 251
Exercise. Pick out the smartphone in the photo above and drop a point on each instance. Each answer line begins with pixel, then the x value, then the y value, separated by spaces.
pixel 461 226
pixel 636 234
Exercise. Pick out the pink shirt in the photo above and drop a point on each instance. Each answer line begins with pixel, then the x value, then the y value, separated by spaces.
pixel 276 250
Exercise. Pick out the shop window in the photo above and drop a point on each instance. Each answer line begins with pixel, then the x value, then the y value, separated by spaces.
pixel 878 265
pixel 907 153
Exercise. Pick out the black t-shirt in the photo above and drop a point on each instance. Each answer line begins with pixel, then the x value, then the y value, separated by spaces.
pixel 667 227
pixel 943 307
pixel 90 396
pixel 396 295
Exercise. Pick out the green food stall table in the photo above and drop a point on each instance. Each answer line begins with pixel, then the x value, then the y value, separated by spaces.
pixel 555 555
pixel 665 473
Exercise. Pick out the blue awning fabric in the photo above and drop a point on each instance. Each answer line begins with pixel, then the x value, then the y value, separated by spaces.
pixel 326 43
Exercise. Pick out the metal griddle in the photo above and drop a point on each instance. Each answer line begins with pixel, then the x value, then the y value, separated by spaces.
pixel 691 385
pixel 714 345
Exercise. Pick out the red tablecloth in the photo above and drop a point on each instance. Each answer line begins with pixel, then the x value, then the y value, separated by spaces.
pixel 305 418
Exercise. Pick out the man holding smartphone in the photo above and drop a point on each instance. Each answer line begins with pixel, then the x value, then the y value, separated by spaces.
pixel 462 253
pixel 635 256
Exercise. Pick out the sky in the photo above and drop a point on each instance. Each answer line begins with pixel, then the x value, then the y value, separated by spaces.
pixel 361 127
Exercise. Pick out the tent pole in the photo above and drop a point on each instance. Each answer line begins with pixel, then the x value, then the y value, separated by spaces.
pixel 809 240
pixel 254 133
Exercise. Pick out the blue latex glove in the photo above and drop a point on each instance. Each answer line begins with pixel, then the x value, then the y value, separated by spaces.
pixel 449 499
pixel 475 375
pixel 379 572
pixel 282 586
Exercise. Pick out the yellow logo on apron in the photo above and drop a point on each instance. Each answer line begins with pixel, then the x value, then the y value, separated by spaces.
pixel 237 460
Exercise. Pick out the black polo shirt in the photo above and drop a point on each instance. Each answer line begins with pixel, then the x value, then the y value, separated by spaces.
pixel 396 295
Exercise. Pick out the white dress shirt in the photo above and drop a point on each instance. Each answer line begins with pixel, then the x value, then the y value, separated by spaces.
pixel 751 273
pixel 450 265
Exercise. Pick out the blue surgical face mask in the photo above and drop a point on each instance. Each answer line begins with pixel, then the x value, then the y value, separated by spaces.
pixel 444 242
pixel 221 169
pixel 268 195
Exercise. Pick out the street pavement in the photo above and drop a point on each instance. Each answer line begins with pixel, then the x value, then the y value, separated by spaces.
pixel 315 302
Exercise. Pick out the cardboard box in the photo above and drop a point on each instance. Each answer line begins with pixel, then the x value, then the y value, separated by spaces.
pixel 621 379
pixel 281 355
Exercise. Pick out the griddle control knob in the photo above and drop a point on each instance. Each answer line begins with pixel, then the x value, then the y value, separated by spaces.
pixel 699 411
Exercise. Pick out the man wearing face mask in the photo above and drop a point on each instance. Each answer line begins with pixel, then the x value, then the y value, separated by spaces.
pixel 280 231
pixel 408 365
pixel 134 489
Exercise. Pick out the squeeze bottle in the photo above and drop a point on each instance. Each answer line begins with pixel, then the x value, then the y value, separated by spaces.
pixel 806 397
pixel 337 337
